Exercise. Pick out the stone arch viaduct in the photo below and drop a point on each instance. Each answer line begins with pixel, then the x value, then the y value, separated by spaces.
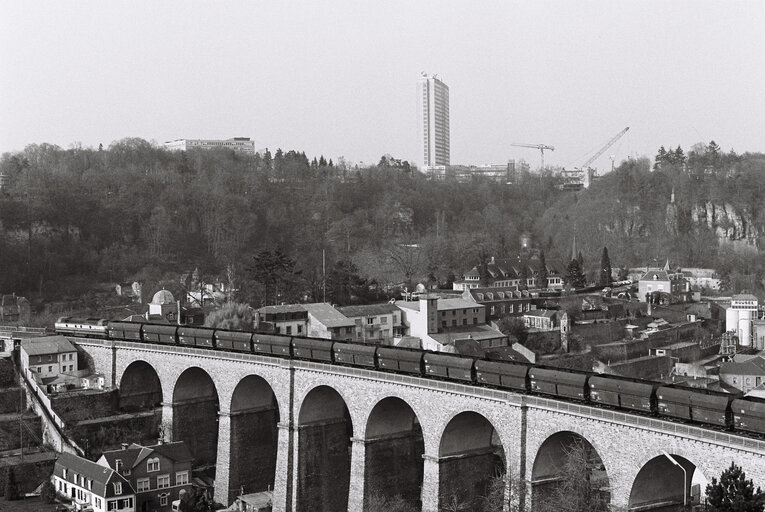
pixel 332 438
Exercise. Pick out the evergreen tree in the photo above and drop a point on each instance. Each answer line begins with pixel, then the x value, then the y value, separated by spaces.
pixel 734 493
pixel 322 161
pixel 605 269
pixel 11 486
pixel 575 275
pixel 542 272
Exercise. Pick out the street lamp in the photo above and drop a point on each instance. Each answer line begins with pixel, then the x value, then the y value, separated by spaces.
pixel 673 461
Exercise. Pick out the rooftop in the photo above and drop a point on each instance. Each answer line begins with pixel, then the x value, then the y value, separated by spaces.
pixel 283 308
pixel 744 296
pixel 100 475
pixel 368 310
pixel 477 332
pixel 753 366
pixel 47 345
pixel 328 315
pixel 547 313
pixel 441 304
pixel 135 453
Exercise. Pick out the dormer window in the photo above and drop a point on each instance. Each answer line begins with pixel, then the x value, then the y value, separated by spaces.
pixel 118 488
pixel 90 485
pixel 65 472
pixel 152 464
pixel 118 465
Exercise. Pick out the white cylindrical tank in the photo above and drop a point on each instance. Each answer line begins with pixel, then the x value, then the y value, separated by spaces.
pixel 745 328
pixel 731 319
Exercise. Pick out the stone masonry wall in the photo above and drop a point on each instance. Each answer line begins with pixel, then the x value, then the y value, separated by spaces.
pixel 625 446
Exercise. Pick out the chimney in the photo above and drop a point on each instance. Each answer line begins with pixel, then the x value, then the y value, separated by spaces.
pixel 124 446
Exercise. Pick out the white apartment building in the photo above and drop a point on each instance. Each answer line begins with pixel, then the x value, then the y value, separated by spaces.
pixel 433 118
pixel 243 144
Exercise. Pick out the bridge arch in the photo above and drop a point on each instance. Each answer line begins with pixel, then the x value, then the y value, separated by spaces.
pixel 324 431
pixel 140 387
pixel 568 455
pixel 393 452
pixel 195 414
pixel 253 436
pixel 470 456
pixel 660 482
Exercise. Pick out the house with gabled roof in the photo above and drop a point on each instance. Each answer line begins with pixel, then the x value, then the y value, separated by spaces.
pixel 324 321
pixel 663 285
pixel 744 375
pixel 49 356
pixel 449 325
pixel 92 486
pixel 159 473
pixel 500 302
pixel 508 273
pixel 375 323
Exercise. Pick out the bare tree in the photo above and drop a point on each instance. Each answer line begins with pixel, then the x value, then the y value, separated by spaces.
pixel 580 484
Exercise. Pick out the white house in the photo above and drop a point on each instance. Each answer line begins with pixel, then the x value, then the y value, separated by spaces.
pixel 91 486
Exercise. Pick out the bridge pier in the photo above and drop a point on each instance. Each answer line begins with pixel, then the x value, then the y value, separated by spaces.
pixel 430 483
pixel 283 483
pixel 357 485
pixel 221 492
pixel 166 429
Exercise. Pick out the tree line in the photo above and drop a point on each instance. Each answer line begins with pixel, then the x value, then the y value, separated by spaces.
pixel 70 218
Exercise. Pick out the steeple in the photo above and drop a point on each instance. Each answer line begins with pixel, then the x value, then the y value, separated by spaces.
pixel 672 197
pixel 573 248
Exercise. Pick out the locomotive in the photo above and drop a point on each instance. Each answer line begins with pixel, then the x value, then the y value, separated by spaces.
pixel 674 402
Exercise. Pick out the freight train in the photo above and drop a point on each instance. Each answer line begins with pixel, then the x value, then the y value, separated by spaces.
pixel 716 409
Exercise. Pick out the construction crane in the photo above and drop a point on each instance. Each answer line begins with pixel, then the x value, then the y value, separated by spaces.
pixel 604 148
pixel 540 147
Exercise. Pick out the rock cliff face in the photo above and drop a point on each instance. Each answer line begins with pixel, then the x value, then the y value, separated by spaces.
pixel 728 223
pixel 628 222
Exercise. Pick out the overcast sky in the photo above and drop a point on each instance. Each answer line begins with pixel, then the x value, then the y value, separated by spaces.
pixel 339 77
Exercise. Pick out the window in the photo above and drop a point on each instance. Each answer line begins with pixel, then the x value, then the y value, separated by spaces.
pixel 454 322
pixel 118 488
pixel 71 367
pixel 65 472
pixel 112 505
pixel 464 321
pixel 152 464
pixel 370 320
pixel 143 484
pixel 182 478
pixel 289 329
pixel 118 465
pixel 90 485
pixel 97 502
pixel 384 320
pixel 50 368
pixel 475 320
pixel 163 481
pixel 299 328
pixel 163 500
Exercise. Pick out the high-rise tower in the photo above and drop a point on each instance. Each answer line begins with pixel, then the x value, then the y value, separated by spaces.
pixel 433 102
